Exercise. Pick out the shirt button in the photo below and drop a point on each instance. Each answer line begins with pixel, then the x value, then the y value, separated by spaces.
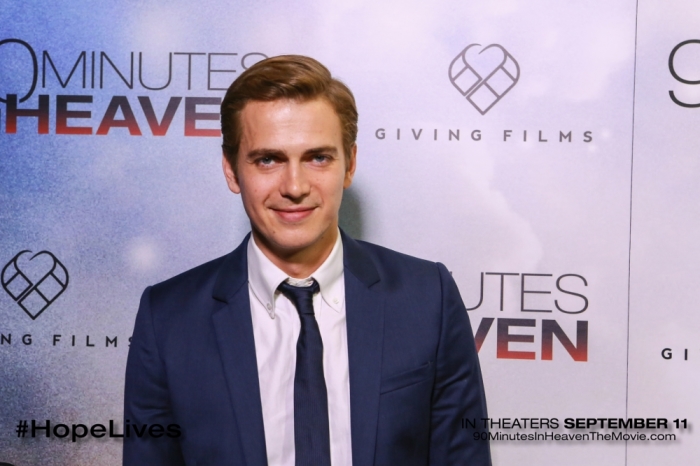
pixel 336 300
pixel 269 306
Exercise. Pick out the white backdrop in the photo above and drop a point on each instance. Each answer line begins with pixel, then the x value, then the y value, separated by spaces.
pixel 575 176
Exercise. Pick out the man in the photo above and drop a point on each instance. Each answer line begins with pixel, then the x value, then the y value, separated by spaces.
pixel 302 346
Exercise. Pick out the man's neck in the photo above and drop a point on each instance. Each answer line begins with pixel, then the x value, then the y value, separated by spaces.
pixel 303 262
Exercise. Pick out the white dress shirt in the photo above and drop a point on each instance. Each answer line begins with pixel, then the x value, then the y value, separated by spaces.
pixel 276 330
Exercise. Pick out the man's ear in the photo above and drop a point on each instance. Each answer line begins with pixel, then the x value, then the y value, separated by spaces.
pixel 231 177
pixel 350 169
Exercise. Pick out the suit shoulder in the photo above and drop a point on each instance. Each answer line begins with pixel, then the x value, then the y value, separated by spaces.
pixel 197 278
pixel 397 266
pixel 386 255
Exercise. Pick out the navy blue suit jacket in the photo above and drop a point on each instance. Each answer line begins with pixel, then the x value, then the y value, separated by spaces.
pixel 414 370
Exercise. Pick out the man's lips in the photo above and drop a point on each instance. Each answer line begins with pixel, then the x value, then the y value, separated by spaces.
pixel 294 214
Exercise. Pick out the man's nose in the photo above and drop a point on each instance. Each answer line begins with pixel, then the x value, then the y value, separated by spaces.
pixel 295 182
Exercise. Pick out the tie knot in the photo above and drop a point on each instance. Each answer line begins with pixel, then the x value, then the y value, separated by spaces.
pixel 301 296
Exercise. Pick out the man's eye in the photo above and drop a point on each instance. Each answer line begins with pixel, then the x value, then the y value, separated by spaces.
pixel 320 158
pixel 265 160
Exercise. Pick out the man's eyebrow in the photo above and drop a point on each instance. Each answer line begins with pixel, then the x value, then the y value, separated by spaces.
pixel 255 153
pixel 322 150
pixel 263 152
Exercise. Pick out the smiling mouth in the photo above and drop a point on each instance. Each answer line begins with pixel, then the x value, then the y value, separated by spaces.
pixel 294 215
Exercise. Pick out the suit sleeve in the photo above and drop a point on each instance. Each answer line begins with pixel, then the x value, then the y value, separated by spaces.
pixel 459 390
pixel 146 399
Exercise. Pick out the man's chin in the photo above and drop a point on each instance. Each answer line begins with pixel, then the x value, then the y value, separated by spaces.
pixel 294 245
pixel 292 241
pixel 283 239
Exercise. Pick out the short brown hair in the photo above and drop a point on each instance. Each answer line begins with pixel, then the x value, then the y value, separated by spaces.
pixel 294 77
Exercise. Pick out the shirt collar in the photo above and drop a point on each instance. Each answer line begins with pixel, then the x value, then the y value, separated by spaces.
pixel 264 277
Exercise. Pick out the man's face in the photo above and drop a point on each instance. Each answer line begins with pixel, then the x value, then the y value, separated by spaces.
pixel 291 172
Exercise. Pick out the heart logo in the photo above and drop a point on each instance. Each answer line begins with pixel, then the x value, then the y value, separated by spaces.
pixel 484 75
pixel 34 282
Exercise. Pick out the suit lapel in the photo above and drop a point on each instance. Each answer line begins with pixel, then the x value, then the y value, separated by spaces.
pixel 234 333
pixel 365 328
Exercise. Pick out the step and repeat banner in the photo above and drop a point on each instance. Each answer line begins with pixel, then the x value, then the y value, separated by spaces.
pixel 547 152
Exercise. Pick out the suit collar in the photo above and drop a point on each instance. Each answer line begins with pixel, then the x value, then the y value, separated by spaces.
pixel 358 261
pixel 233 273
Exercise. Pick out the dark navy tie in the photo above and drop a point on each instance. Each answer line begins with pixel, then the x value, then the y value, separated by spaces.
pixel 312 445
